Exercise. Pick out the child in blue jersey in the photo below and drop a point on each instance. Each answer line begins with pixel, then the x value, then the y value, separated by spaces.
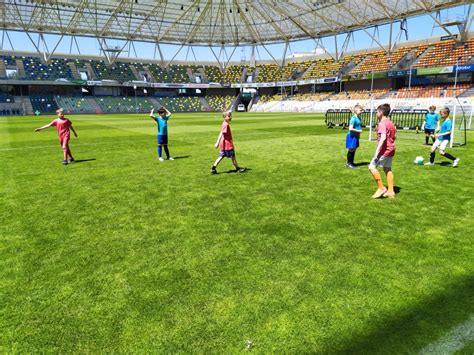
pixel 162 122
pixel 431 124
pixel 443 138
pixel 353 135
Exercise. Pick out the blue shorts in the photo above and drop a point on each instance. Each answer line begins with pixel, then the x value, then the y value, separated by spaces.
pixel 352 142
pixel 227 153
pixel 162 139
pixel 429 131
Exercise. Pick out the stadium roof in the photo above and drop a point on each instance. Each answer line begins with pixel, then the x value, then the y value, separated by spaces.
pixel 207 22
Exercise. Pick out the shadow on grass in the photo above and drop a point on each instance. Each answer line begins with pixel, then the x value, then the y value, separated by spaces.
pixel 410 330
pixel 181 157
pixel 233 171
pixel 83 160
pixel 364 163
pixel 397 189
pixel 445 163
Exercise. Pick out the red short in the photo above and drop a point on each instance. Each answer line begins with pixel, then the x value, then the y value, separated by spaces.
pixel 64 141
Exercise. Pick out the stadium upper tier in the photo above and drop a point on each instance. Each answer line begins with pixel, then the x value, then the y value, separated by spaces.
pixel 444 53
pixel 207 22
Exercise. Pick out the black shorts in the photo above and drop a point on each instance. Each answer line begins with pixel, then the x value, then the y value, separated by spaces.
pixel 429 131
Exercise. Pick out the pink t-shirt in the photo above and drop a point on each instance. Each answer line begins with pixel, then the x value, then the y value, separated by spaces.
pixel 388 128
pixel 62 126
pixel 226 141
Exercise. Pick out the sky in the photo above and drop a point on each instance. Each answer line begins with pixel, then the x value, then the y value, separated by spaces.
pixel 419 28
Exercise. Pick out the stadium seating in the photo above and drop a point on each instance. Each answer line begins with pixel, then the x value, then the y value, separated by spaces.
pixel 111 104
pixel 447 53
pixel 268 73
pixel 56 69
pixel 213 74
pixel 233 74
pixel 320 96
pixel 159 74
pixel 181 104
pixel 292 68
pixel 118 71
pixel 437 91
pixel 179 73
pixel 74 104
pixel 359 94
pixel 219 103
pixel 6 98
pixel 44 103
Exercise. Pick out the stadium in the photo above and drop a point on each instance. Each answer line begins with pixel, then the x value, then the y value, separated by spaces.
pixel 126 249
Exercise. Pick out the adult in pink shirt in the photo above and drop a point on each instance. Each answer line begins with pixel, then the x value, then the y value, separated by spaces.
pixel 226 144
pixel 64 126
pixel 384 153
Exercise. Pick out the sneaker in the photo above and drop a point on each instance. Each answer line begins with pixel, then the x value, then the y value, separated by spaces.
pixel 160 159
pixel 350 166
pixel 379 193
pixel 213 171
pixel 456 162
pixel 389 194
pixel 241 170
pixel 429 164
pixel 71 161
pixel 170 158
pixel 65 162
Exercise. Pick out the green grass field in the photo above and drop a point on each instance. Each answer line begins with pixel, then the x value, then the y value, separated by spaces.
pixel 121 252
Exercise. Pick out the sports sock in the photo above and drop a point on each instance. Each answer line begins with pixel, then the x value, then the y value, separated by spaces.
pixel 353 157
pixel 159 151
pixel 378 180
pixel 449 156
pixel 349 157
pixel 427 139
pixel 167 152
pixel 390 181
pixel 432 157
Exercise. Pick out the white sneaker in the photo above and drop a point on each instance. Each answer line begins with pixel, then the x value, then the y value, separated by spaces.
pixel 160 159
pixel 429 164
pixel 170 158
pixel 456 162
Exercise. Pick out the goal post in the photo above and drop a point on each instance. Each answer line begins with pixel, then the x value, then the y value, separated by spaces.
pixel 462 113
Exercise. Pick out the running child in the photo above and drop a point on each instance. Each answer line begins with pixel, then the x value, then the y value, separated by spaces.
pixel 63 125
pixel 353 135
pixel 384 153
pixel 226 145
pixel 443 139
pixel 431 124
pixel 162 122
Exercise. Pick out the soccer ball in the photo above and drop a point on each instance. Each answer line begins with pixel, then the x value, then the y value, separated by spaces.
pixel 419 160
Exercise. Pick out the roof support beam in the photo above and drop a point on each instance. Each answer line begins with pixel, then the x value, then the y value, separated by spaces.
pixel 319 43
pixel 177 52
pixel 283 59
pixel 464 30
pixel 221 66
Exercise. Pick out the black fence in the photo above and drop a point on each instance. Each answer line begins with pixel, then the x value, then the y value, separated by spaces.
pixel 403 119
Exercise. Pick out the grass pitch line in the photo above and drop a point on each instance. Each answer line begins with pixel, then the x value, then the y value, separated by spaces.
pixel 454 341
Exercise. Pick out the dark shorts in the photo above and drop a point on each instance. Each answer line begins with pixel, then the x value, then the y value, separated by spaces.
pixel 429 131
pixel 352 142
pixel 227 153
pixel 162 139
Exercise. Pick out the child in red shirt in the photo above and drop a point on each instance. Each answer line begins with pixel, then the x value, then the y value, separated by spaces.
pixel 226 145
pixel 384 153
pixel 63 125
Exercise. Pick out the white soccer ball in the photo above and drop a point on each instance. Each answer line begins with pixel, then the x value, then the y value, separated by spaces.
pixel 419 160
